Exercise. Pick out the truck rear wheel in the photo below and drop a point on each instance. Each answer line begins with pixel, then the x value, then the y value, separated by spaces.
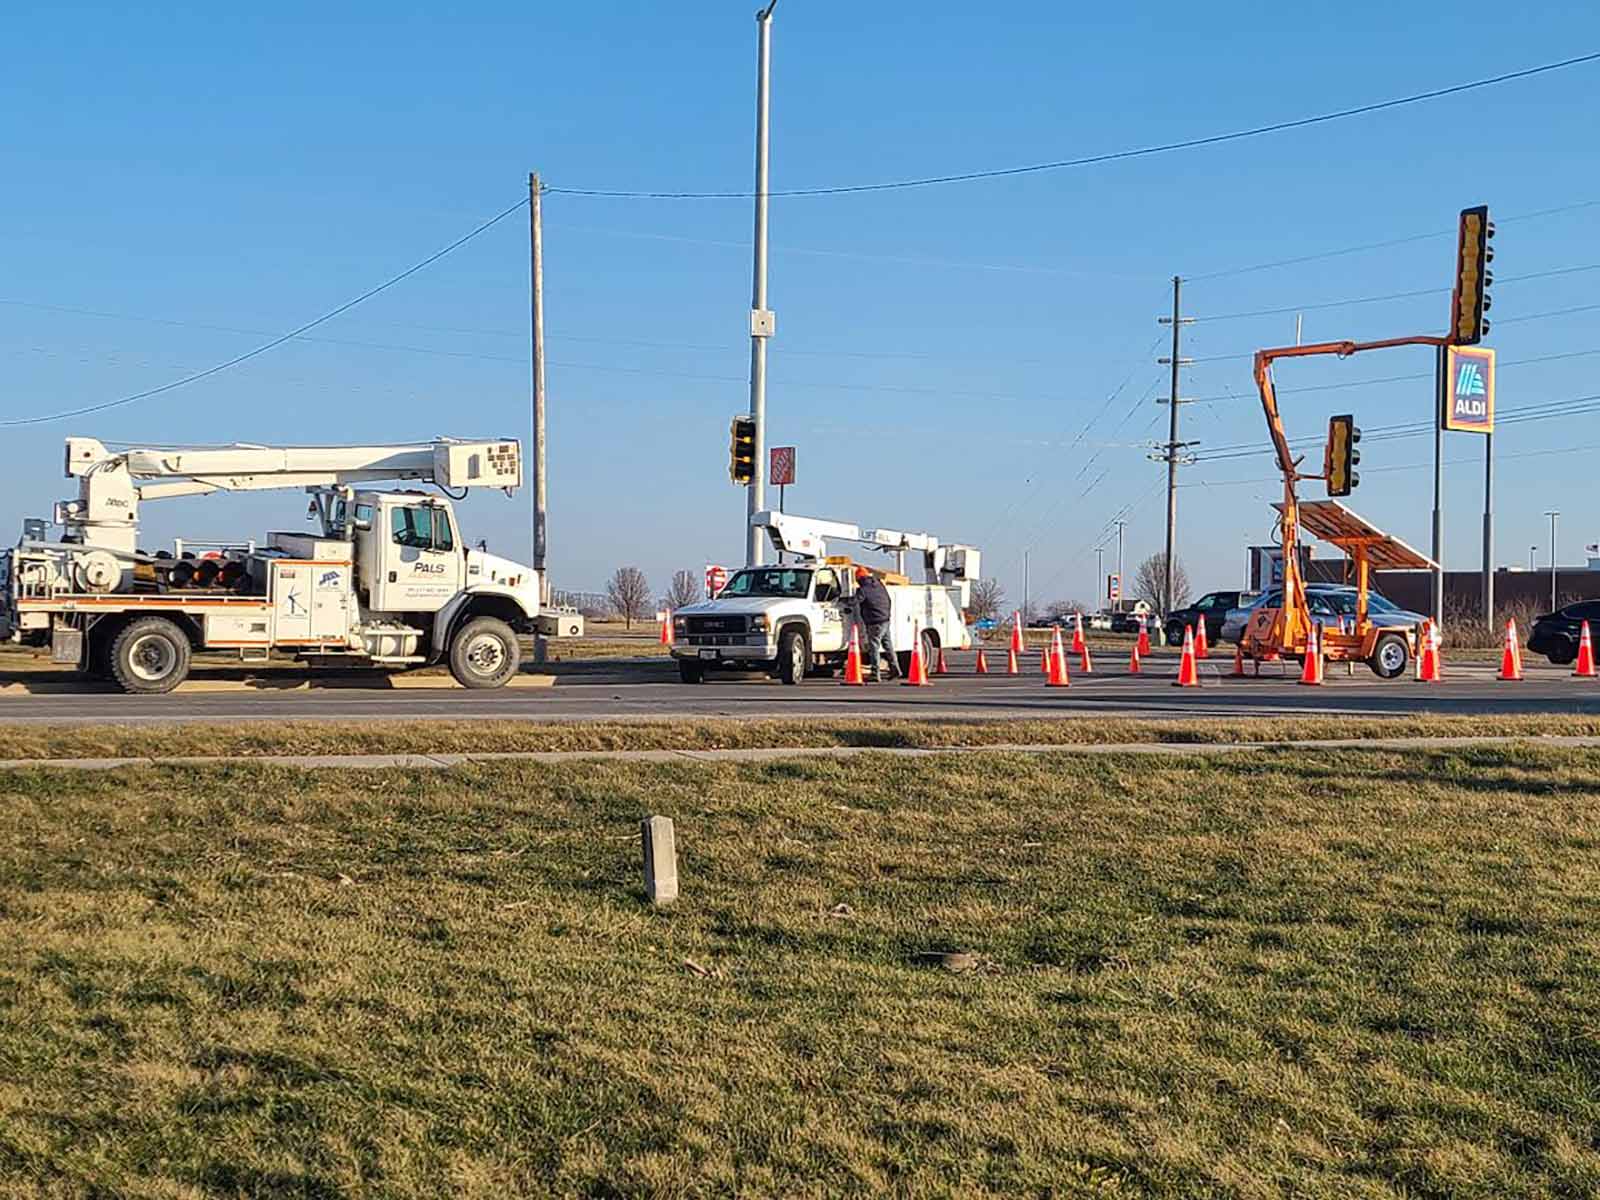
pixel 794 655
pixel 484 653
pixel 150 656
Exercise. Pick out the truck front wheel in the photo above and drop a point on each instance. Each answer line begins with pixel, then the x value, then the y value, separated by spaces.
pixel 150 656
pixel 484 653
pixel 794 655
pixel 689 671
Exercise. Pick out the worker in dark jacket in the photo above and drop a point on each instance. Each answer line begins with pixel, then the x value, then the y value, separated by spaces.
pixel 873 607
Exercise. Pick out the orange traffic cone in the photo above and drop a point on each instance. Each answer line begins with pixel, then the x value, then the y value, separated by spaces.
pixel 1312 673
pixel 1016 633
pixel 1011 662
pixel 1585 668
pixel 1511 656
pixel 1044 663
pixel 1079 646
pixel 1058 663
pixel 1188 671
pixel 1428 665
pixel 1143 644
pixel 1238 662
pixel 1201 650
pixel 938 665
pixel 983 663
pixel 666 627
pixel 1135 665
pixel 853 675
pixel 1085 662
pixel 917 676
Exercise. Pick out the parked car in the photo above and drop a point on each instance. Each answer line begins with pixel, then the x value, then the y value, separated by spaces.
pixel 1212 608
pixel 1328 602
pixel 1555 635
pixel 1129 622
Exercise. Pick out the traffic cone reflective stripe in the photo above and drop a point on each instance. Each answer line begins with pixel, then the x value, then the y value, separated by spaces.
pixel 852 660
pixel 1201 650
pixel 1585 668
pixel 1511 656
pixel 917 676
pixel 1135 666
pixel 1079 646
pixel 1429 668
pixel 1016 633
pixel 983 663
pixel 1188 670
pixel 1058 663
pixel 1143 644
pixel 666 628
pixel 1311 674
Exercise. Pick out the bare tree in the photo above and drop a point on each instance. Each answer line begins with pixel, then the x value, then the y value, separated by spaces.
pixel 1150 584
pixel 629 593
pixel 1065 608
pixel 684 590
pixel 988 598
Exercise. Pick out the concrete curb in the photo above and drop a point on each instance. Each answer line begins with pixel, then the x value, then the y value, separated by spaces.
pixel 377 682
pixel 369 762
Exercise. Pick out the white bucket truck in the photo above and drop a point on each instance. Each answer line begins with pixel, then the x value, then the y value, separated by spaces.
pixel 387 580
pixel 795 618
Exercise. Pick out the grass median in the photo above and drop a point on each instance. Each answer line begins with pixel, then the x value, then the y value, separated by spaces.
pixel 1362 973
pixel 251 739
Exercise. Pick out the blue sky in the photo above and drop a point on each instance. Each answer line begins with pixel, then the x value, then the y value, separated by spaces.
pixel 188 180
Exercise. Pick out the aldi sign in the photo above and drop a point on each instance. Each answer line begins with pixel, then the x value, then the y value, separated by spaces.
pixel 1469 389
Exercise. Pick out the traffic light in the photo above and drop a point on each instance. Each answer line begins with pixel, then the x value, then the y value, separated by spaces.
pixel 1470 301
pixel 742 451
pixel 1342 456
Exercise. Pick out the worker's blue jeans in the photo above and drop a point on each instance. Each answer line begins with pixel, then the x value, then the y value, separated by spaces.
pixel 878 635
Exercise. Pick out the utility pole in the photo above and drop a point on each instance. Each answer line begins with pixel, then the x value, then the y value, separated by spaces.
pixel 1173 446
pixel 540 544
pixel 1100 571
pixel 1554 515
pixel 1121 525
pixel 1488 530
pixel 1440 370
pixel 762 322
pixel 1024 609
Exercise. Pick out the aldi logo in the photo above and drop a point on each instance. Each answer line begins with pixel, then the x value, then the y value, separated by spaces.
pixel 1469 390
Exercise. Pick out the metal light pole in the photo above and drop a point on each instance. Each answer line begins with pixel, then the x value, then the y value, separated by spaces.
pixel 1532 550
pixel 1100 570
pixel 540 507
pixel 1024 609
pixel 1554 515
pixel 1121 525
pixel 762 324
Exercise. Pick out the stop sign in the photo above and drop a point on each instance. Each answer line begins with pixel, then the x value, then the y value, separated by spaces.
pixel 716 580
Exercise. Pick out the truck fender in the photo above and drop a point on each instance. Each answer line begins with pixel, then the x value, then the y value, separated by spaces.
pixel 487 599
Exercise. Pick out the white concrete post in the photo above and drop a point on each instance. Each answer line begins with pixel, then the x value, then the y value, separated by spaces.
pixel 660 860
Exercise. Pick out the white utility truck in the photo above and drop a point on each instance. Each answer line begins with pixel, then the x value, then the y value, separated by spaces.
pixel 387 580
pixel 795 618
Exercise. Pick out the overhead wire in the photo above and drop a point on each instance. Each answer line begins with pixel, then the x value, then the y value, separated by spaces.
pixel 1089 159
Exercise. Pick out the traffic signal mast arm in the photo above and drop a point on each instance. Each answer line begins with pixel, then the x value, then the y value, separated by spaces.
pixel 1296 611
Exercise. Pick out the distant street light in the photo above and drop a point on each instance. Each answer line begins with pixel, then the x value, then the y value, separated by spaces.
pixel 1554 515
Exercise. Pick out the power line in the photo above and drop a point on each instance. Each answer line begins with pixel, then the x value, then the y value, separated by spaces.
pixel 1092 159
pixel 275 342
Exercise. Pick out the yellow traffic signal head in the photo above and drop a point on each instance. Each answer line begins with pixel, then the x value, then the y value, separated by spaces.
pixel 1469 301
pixel 742 450
pixel 1341 456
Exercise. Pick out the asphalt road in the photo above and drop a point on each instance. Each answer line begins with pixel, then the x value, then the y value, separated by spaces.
pixel 638 691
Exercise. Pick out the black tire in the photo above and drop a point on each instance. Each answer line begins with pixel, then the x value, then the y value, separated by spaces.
pixel 149 656
pixel 484 653
pixel 690 671
pixel 930 649
pixel 1563 657
pixel 1390 656
pixel 794 655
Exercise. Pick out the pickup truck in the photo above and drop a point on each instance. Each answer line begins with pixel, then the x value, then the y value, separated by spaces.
pixel 795 620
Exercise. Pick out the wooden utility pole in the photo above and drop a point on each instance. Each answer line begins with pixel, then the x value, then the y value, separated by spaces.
pixel 540 545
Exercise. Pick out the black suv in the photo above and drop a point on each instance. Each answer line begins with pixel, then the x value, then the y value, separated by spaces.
pixel 1555 635
pixel 1212 608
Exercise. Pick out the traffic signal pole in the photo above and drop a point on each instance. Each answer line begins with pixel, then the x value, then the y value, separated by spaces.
pixel 1439 372
pixel 761 323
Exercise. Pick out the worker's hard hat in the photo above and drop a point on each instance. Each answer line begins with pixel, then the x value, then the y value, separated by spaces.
pixel 862 573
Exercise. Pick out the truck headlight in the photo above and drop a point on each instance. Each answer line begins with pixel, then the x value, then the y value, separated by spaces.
pixel 680 625
pixel 758 623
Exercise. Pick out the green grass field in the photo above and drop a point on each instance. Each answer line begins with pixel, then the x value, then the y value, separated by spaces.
pixel 1362 973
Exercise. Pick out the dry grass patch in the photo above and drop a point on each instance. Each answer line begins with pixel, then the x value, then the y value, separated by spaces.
pixel 1356 974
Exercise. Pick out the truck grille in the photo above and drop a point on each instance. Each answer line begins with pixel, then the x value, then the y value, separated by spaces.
pixel 718 624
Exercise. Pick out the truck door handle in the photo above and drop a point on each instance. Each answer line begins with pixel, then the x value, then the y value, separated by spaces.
pixel 392 577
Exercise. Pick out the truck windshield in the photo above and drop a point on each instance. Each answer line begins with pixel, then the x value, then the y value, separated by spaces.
pixel 769 581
